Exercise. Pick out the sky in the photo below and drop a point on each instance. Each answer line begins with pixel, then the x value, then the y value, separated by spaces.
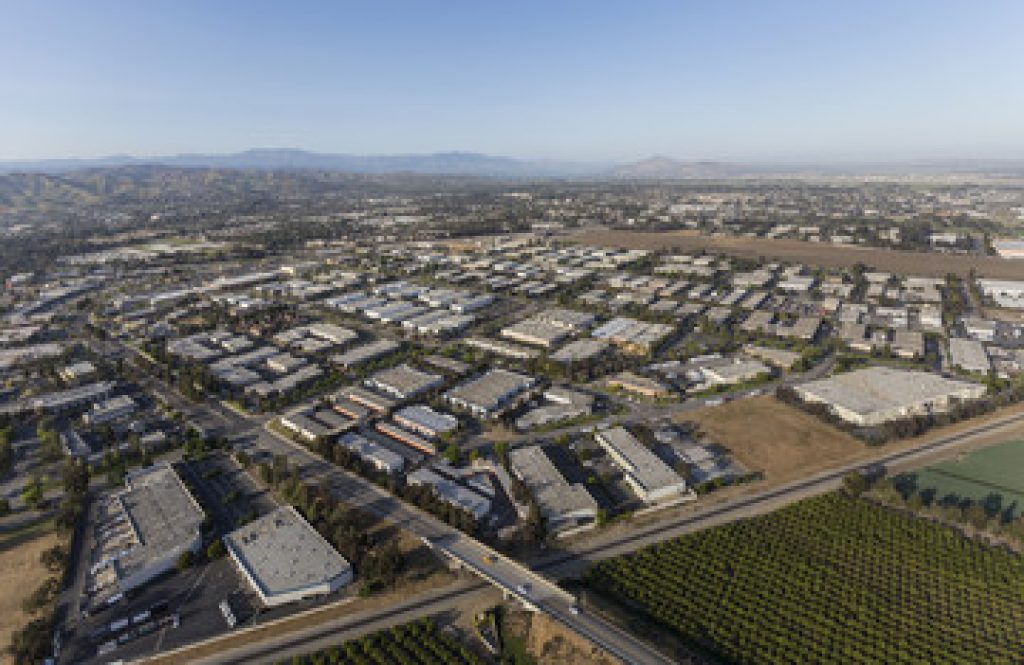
pixel 757 80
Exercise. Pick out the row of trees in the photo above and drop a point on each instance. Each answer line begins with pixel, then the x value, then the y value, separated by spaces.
pixel 409 644
pixel 377 562
pixel 423 497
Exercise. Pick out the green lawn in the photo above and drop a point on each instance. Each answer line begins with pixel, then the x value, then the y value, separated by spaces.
pixel 997 469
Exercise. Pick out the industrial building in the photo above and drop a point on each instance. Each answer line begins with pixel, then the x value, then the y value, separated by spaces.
pixel 77 371
pixel 110 410
pixel 489 395
pixel 150 524
pixel 73 398
pixel 450 491
pixel 406 437
pixel 536 333
pixel 560 404
pixel 365 353
pixel 376 455
pixel 566 318
pixel 633 336
pixel 640 385
pixel 969 355
pixel 426 421
pixel 580 350
pixel 404 382
pixel 285 560
pixel 875 395
pixel 562 504
pixel 650 478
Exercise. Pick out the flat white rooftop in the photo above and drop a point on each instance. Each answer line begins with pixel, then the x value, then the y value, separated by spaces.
pixel 285 558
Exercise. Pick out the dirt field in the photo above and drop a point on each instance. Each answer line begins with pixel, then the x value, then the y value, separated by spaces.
pixel 810 253
pixel 767 435
pixel 20 574
pixel 786 443
pixel 549 642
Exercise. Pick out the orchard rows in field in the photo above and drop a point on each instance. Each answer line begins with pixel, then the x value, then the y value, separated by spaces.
pixel 832 579
pixel 417 643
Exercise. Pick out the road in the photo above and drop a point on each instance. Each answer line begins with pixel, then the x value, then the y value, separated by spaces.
pixel 534 586
pixel 515 580
pixel 603 545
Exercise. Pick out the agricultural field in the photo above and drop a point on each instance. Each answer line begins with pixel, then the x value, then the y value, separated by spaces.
pixel 832 579
pixel 976 476
pixel 825 255
pixel 414 643
pixel 785 444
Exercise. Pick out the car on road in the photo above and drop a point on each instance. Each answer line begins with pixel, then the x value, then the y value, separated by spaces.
pixel 574 610
pixel 523 589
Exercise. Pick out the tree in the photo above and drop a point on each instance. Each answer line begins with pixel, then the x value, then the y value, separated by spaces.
pixel 54 558
pixel 855 483
pixel 42 597
pixel 32 643
pixel 216 550
pixel 501 452
pixel 32 495
pixel 453 454
pixel 5 506
pixel 6 451
pixel 185 560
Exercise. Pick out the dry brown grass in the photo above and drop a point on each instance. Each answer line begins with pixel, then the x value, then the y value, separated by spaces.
pixel 20 574
pixel 779 440
pixel 810 253
pixel 786 444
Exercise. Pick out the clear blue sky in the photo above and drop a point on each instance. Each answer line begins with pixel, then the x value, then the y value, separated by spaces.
pixel 829 80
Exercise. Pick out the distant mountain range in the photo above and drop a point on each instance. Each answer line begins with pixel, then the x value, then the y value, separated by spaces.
pixel 284 159
pixel 476 164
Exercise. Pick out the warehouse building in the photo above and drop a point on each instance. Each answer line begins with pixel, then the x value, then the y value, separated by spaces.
pixel 77 372
pixel 876 395
pixel 73 398
pixel 365 353
pixel 650 478
pixel 285 560
pixel 489 395
pixel 566 318
pixel 536 333
pixel 161 520
pixel 110 410
pixel 404 382
pixel 562 504
pixel 426 421
pixel 450 491
pixel 373 453
pixel 406 437
pixel 506 349
pixel 969 355
pixel 581 350
pixel 632 335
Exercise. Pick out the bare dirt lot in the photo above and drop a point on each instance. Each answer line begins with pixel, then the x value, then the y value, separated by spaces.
pixel 549 642
pixel 769 436
pixel 20 574
pixel 810 253
pixel 785 443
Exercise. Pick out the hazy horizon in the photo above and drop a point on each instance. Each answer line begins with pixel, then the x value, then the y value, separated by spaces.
pixel 594 83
